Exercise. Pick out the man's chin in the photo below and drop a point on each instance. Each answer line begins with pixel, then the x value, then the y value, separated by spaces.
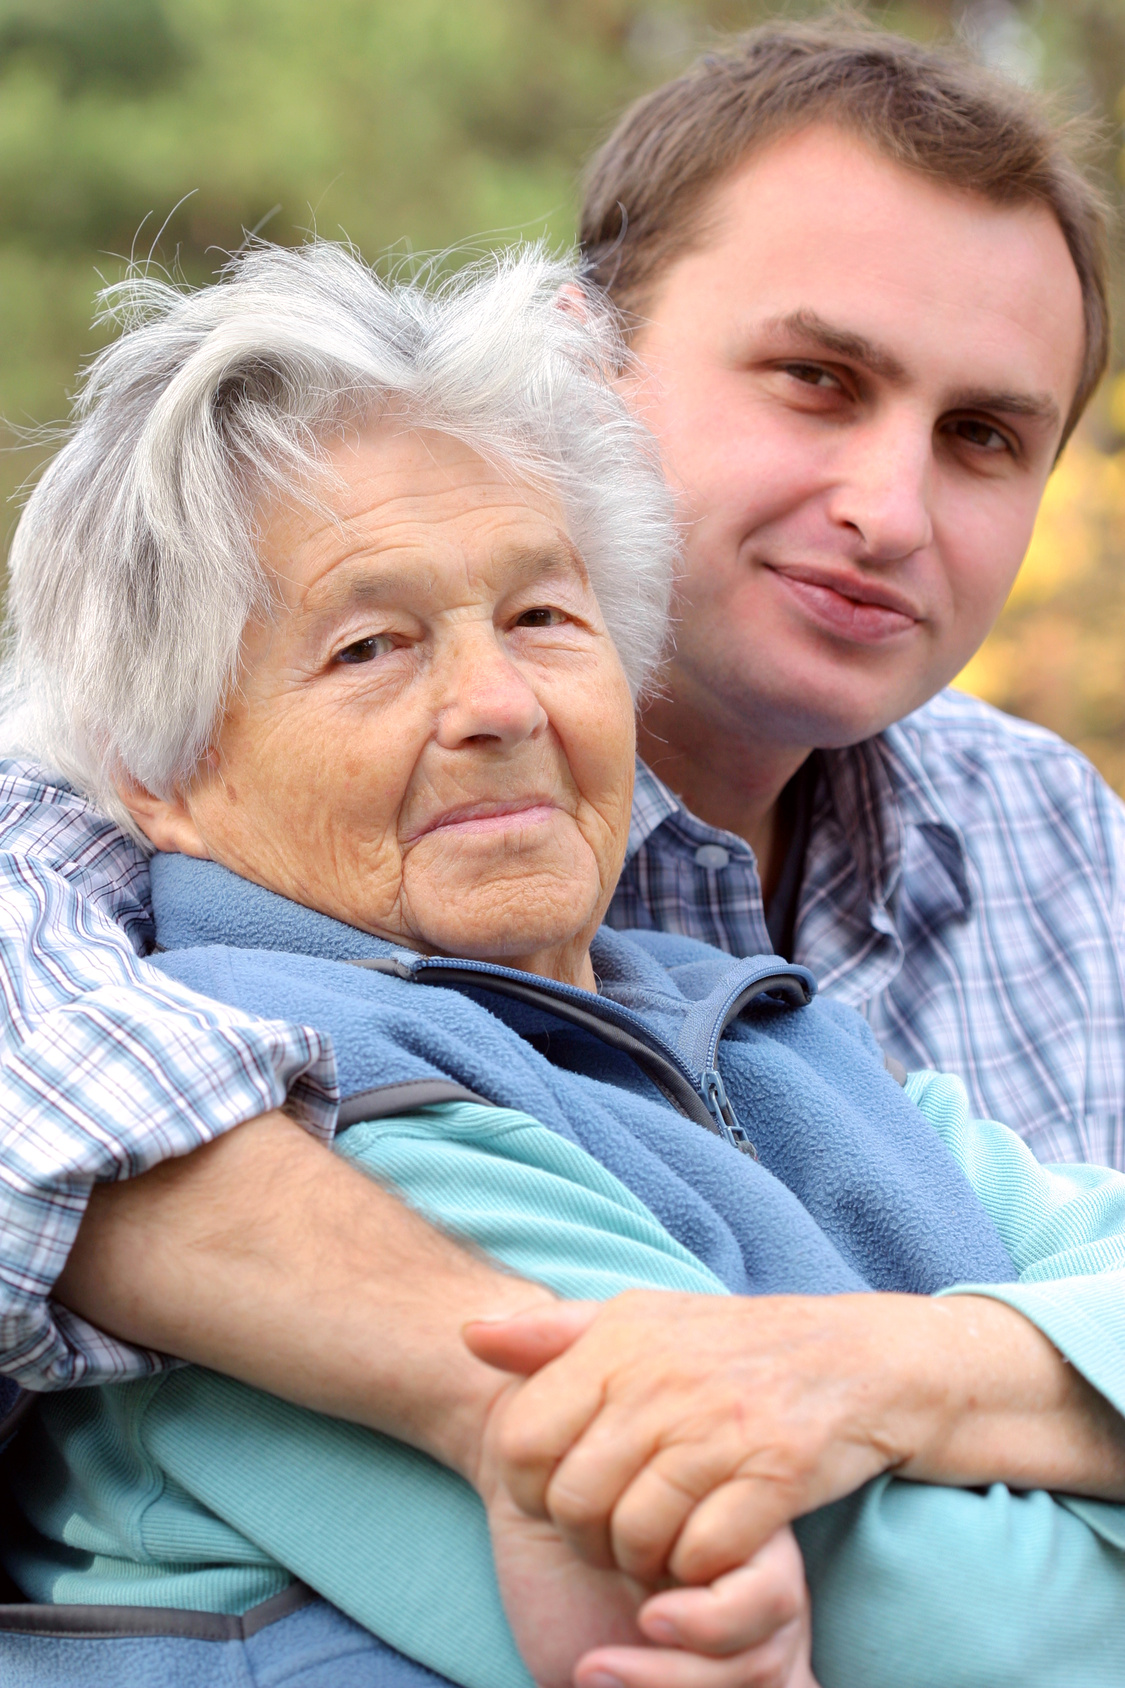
pixel 832 711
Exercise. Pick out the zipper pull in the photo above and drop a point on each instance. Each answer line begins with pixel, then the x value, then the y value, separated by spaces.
pixel 718 1102
pixel 723 1114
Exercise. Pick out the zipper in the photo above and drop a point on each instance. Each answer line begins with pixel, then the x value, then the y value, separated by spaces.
pixel 615 1025
pixel 792 989
pixel 785 986
pixel 704 1098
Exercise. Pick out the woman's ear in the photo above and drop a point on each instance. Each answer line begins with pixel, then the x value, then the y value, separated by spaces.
pixel 165 821
pixel 572 300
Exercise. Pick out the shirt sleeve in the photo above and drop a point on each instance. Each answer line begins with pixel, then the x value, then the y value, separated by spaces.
pixel 107 1067
pixel 1064 1227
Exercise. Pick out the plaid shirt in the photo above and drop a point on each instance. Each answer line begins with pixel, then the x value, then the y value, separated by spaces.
pixel 107 1067
pixel 964 888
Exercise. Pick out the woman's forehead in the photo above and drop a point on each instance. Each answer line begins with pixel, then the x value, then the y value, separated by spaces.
pixel 419 577
pixel 401 509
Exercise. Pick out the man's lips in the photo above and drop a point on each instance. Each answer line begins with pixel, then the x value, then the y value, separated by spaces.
pixel 848 605
pixel 486 817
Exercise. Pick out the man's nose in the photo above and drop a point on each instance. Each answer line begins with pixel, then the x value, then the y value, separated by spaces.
pixel 884 494
pixel 485 697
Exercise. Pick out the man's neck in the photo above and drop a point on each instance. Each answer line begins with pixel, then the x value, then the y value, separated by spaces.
pixel 722 778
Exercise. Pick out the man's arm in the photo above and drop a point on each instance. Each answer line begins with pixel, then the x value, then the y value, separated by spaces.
pixel 268 1257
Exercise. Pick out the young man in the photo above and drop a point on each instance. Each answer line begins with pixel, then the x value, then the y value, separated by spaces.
pixel 356 1308
pixel 866 290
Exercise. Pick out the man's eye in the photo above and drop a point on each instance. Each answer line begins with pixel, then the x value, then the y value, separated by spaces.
pixel 541 616
pixel 366 650
pixel 811 374
pixel 981 434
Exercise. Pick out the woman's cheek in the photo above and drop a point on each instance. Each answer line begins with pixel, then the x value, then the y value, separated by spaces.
pixel 601 753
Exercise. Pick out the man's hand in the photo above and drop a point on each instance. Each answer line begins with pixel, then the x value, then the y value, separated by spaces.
pixel 675 1434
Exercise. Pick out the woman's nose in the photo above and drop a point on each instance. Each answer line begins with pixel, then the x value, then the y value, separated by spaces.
pixel 486 697
pixel 885 494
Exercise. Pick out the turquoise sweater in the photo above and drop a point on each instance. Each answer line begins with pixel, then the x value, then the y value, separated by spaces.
pixel 191 1490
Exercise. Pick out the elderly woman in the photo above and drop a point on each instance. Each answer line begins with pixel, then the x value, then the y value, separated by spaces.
pixel 340 595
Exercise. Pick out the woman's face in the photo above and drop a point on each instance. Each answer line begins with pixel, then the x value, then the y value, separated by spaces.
pixel 433 739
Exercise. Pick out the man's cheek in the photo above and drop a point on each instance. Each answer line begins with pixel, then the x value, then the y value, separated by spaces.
pixel 976 608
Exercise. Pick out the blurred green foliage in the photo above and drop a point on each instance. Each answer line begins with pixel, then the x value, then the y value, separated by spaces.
pixel 175 126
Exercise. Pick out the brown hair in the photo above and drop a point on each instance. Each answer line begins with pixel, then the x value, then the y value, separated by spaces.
pixel 649 185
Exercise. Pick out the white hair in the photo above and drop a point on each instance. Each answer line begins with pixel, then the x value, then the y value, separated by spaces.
pixel 134 569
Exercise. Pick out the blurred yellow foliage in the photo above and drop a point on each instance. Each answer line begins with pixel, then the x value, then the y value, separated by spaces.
pixel 1057 654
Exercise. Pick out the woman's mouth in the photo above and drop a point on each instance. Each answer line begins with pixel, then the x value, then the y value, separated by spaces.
pixel 488 818
pixel 850 608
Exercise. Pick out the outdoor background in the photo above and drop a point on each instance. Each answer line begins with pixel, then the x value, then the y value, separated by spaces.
pixel 419 123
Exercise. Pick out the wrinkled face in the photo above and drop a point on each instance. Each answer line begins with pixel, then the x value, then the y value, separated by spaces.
pixel 433 739
pixel 858 381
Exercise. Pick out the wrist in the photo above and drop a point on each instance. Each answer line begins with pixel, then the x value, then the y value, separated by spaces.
pixel 998 1402
pixel 463 1426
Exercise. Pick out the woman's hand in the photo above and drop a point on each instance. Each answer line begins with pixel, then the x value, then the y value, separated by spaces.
pixel 676 1434
pixel 670 1434
pixel 574 1624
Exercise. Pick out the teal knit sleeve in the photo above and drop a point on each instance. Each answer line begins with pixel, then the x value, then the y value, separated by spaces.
pixel 1064 1227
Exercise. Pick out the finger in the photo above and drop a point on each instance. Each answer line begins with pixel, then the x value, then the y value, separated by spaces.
pixel 782 1662
pixel 618 1471
pixel 729 1527
pixel 543 1419
pixel 586 1487
pixel 738 1611
pixel 650 1515
pixel 529 1340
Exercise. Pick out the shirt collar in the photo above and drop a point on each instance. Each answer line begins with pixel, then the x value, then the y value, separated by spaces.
pixel 878 788
pixel 653 804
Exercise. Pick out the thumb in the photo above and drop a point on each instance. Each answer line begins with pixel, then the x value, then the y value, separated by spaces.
pixel 529 1340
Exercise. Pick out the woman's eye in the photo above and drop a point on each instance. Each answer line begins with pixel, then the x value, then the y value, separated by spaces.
pixel 366 650
pixel 541 616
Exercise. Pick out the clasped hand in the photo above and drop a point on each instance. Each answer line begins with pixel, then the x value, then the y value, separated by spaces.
pixel 674 1435
pixel 662 1438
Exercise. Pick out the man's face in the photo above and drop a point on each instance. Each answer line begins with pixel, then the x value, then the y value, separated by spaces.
pixel 859 382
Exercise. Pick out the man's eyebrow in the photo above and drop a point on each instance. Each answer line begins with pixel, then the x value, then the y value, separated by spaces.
pixel 807 326
pixel 1037 407
pixel 814 332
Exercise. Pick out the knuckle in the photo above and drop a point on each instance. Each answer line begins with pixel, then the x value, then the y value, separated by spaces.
pixel 711 1631
pixel 782 1603
pixel 520 1446
pixel 640 1556
pixel 572 1509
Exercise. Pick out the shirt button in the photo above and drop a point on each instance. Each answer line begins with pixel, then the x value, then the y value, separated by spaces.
pixel 712 855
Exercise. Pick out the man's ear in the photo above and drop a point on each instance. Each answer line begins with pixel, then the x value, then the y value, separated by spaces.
pixel 165 821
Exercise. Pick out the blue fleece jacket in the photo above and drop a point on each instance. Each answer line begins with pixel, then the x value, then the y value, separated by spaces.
pixel 850 1187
